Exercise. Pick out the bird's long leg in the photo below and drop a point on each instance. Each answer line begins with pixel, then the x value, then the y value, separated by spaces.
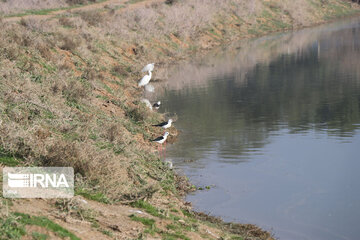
pixel 160 150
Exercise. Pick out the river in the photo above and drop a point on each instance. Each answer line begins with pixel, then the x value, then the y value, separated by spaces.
pixel 270 129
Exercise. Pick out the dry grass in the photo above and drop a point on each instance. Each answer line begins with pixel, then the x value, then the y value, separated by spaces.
pixel 21 6
pixel 68 85
pixel 68 92
pixel 47 116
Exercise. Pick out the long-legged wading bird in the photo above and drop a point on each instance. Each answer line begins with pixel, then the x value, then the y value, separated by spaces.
pixel 161 140
pixel 156 105
pixel 145 80
pixel 148 67
pixel 164 125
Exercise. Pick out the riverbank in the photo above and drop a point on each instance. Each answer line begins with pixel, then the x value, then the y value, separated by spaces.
pixel 69 97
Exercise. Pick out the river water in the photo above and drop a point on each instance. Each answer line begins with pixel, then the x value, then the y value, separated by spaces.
pixel 272 126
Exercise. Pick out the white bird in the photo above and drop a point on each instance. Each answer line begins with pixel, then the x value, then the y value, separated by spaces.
pixel 145 80
pixel 156 105
pixel 148 67
pixel 164 125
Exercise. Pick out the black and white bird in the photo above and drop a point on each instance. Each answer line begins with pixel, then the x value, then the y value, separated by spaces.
pixel 156 105
pixel 164 125
pixel 148 67
pixel 161 139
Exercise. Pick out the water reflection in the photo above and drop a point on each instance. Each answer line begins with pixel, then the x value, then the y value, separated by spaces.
pixel 273 123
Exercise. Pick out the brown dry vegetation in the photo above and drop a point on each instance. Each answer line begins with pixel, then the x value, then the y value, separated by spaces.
pixel 21 6
pixel 68 84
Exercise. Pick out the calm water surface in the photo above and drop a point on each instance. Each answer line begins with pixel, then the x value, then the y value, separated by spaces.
pixel 272 125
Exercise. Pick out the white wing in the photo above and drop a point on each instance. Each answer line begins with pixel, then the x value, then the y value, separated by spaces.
pixel 148 67
pixel 145 80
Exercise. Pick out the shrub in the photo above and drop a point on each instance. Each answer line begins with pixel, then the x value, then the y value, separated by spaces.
pixel 93 18
pixel 70 43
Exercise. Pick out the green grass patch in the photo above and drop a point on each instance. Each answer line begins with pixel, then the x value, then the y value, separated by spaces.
pixel 11 228
pixel 187 213
pixel 174 236
pixel 46 223
pixel 39 236
pixel 133 1
pixel 236 238
pixel 172 227
pixel 148 208
pixel 95 196
pixel 9 159
pixel 78 106
pixel 107 232
pixel 146 221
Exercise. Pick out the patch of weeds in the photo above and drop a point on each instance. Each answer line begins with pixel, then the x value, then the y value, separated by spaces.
pixel 132 128
pixel 49 68
pixel 39 236
pixel 213 32
pixel 150 223
pixel 172 227
pixel 119 71
pixel 148 208
pixel 95 224
pixel 133 1
pixel 174 217
pixel 104 145
pixel 48 114
pixel 6 201
pixel 253 31
pixel 236 238
pixel 168 183
pixel 46 223
pixel 174 236
pixel 11 228
pixel 93 136
pixel 36 12
pixel 108 89
pixel 9 159
pixel 107 232
pixel 106 98
pixel 137 114
pixel 265 28
pixel 96 196
pixel 36 78
pixel 146 221
pixel 72 136
pixel 75 104
pixel 279 24
pixel 119 149
pixel 187 213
